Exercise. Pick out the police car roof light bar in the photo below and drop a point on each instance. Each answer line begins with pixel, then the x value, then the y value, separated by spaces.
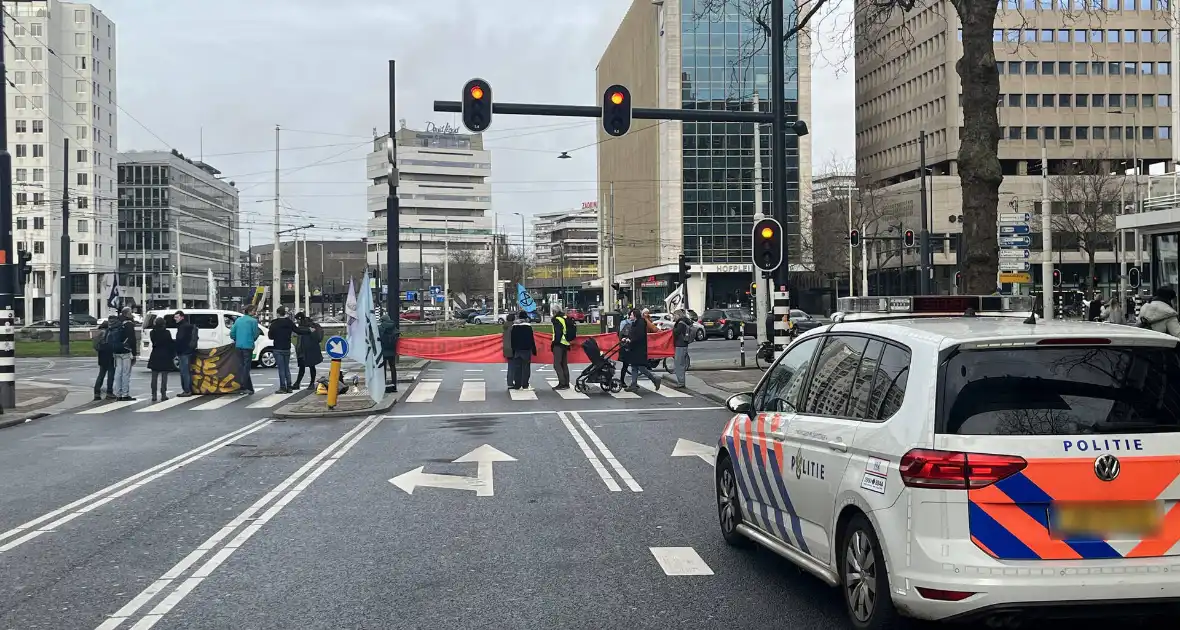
pixel 935 304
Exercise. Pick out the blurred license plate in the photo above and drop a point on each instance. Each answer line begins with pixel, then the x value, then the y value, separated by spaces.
pixel 1105 520
pixel 709 324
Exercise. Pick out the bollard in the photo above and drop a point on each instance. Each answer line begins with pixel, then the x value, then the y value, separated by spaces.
pixel 333 383
pixel 742 342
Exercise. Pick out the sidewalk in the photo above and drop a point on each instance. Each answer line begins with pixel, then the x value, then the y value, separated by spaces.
pixel 356 402
pixel 36 400
pixel 719 385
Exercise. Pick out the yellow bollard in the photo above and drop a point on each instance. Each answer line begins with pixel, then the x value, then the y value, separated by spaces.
pixel 333 383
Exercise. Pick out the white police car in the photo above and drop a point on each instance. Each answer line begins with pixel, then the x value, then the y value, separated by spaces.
pixel 949 466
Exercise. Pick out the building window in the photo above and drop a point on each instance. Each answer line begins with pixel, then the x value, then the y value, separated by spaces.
pixel 1063 100
pixel 1148 133
pixel 83 226
pixel 38 150
pixel 1163 100
pixel 38 247
pixel 1148 100
pixel 1129 133
pixel 35 29
pixel 1129 36
pixel 1098 133
pixel 19 102
pixel 1063 35
pixel 1081 68
pixel 1165 133
pixel 83 156
pixel 1129 67
pixel 83 179
pixel 83 203
pixel 1112 36
pixel 38 126
pixel 81 132
pixel 1164 67
pixel 1132 100
pixel 1031 133
pixel 1098 67
pixel 18 77
pixel 22 223
pixel 1013 67
pixel 80 109
pixel 1046 100
pixel 1050 133
pixel 22 199
pixel 1081 100
pixel 1115 68
pixel 1065 133
pixel 1096 36
pixel 38 198
pixel 1013 100
pixel 1030 100
pixel 83 249
pixel 79 16
pixel 38 223
pixel 1063 67
pixel 22 174
pixel 38 174
pixel 38 102
pixel 1047 67
pixel 1146 68
pixel 79 39
pixel 1046 35
pixel 1082 133
pixel 1079 36
pixel 1162 37
pixel 1098 100
pixel 22 150
pixel 1013 133
pixel 1030 67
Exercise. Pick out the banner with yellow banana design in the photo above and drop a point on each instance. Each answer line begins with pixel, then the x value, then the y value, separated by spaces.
pixel 215 371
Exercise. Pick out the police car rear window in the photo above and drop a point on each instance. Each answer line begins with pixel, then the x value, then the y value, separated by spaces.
pixel 1061 391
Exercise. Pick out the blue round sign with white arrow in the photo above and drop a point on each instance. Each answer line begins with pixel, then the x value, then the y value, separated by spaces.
pixel 337 347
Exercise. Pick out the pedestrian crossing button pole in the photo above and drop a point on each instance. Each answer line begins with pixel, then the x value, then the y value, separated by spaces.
pixel 337 348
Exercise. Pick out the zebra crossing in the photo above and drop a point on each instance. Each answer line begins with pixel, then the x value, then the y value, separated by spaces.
pixel 193 403
pixel 475 390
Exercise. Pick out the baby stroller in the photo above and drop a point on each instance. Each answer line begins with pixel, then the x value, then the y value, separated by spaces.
pixel 601 370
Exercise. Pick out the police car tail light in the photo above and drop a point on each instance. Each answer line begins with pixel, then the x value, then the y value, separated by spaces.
pixel 951 470
pixel 941 595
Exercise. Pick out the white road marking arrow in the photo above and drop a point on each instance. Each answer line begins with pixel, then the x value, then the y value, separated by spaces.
pixel 482 484
pixel 688 448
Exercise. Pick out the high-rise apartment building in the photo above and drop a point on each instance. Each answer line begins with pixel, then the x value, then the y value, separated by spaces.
pixel 175 211
pixel 669 187
pixel 565 252
pixel 1094 87
pixel 444 196
pixel 62 70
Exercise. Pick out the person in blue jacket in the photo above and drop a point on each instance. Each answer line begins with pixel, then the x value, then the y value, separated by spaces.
pixel 245 332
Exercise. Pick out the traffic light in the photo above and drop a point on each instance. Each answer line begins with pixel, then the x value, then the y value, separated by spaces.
pixel 908 239
pixel 958 278
pixel 477 105
pixel 24 270
pixel 684 268
pixel 768 245
pixel 1056 277
pixel 753 288
pixel 1134 277
pixel 616 110
pixel 854 238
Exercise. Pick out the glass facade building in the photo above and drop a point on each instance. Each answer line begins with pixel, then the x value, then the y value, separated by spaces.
pixel 725 65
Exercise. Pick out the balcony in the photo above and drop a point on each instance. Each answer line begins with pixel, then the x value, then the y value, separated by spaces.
pixel 1160 211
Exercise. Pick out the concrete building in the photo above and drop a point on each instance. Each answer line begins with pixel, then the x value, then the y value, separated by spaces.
pixel 565 252
pixel 172 207
pixel 669 187
pixel 62 68
pixel 1094 88
pixel 330 265
pixel 444 195
pixel 1158 222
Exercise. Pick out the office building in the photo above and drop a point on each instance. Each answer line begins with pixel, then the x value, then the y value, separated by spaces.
pixel 565 252
pixel 175 212
pixel 674 187
pixel 61 65
pixel 330 265
pixel 444 195
pixel 1095 91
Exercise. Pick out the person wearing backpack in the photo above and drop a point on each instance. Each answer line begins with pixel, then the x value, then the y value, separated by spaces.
pixel 186 347
pixel 106 360
pixel 682 335
pixel 121 341
pixel 1159 314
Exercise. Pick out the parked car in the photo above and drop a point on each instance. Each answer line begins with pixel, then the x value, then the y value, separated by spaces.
pixel 488 318
pixel 212 332
pixel 728 322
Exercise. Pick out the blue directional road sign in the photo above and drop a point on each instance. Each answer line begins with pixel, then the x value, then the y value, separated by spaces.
pixel 411 296
pixel 337 347
pixel 1015 241
pixel 436 290
pixel 1013 229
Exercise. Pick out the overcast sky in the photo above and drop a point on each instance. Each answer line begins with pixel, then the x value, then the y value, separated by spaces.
pixel 228 71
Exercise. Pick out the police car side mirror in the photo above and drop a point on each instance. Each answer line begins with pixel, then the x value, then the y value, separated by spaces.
pixel 741 403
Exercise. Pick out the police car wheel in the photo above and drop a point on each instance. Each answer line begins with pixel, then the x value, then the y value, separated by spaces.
pixel 865 579
pixel 729 511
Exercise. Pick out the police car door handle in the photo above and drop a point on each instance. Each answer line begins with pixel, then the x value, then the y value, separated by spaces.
pixel 776 435
pixel 839 447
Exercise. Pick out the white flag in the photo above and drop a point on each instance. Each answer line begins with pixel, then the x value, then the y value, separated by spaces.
pixel 350 305
pixel 212 290
pixel 355 326
pixel 675 300
pixel 369 342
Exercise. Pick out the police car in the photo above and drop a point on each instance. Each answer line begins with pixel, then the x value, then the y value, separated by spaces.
pixel 954 458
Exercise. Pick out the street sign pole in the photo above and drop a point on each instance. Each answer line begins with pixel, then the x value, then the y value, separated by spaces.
pixel 1012 233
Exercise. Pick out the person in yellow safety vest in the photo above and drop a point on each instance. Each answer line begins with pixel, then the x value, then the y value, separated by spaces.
pixel 561 348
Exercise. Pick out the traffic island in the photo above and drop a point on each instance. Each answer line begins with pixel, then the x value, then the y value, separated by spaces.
pixel 356 401
pixel 35 401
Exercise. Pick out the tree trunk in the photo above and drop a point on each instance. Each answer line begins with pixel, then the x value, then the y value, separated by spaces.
pixel 979 166
pixel 1090 275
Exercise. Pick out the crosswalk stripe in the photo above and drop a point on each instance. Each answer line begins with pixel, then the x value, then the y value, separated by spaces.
pixel 568 394
pixel 423 392
pixel 165 404
pixel 271 400
pixel 473 391
pixel 664 390
pixel 624 395
pixel 217 402
pixel 118 404
pixel 523 394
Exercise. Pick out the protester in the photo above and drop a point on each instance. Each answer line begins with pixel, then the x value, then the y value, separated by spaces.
pixel 106 360
pixel 245 332
pixel 509 320
pixel 682 335
pixel 637 351
pixel 186 347
pixel 307 349
pixel 523 349
pixel 282 328
pixel 562 337
pixel 1159 314
pixel 1094 308
pixel 389 335
pixel 160 362
pixel 624 329
pixel 121 341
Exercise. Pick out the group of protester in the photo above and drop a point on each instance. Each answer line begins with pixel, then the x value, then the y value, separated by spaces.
pixel 520 347
pixel 1158 314
pixel 116 342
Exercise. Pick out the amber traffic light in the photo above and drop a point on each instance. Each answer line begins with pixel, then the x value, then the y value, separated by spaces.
pixel 767 251
pixel 616 110
pixel 477 105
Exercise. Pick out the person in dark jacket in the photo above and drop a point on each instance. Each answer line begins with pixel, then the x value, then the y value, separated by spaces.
pixel 636 351
pixel 122 340
pixel 282 328
pixel 1094 312
pixel 509 320
pixel 106 360
pixel 307 349
pixel 186 347
pixel 524 347
pixel 387 329
pixel 682 334
pixel 161 361
pixel 560 347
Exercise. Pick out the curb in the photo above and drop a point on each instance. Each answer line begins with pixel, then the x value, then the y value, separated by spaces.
pixel 19 420
pixel 391 398
pixel 700 387
pixel 76 398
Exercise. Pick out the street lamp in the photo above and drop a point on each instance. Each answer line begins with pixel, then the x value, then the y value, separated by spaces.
pixel 1121 238
pixel 522 246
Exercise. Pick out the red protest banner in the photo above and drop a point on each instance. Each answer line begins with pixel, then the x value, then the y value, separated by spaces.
pixel 490 348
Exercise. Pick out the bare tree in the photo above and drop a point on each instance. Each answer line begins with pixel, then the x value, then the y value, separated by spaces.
pixel 1086 200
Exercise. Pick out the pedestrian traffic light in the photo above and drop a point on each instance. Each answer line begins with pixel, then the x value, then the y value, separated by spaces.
pixel 854 238
pixel 1134 277
pixel 616 110
pixel 24 270
pixel 908 239
pixel 768 245
pixel 1056 277
pixel 477 105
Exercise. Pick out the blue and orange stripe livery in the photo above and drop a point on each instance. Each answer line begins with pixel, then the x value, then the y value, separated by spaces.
pixel 758 462
pixel 1010 519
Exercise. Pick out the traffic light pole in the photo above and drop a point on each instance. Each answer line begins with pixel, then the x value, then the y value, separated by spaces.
pixel 392 227
pixel 924 234
pixel 7 269
pixel 778 141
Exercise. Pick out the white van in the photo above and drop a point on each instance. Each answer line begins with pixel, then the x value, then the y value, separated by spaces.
pixel 212 331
